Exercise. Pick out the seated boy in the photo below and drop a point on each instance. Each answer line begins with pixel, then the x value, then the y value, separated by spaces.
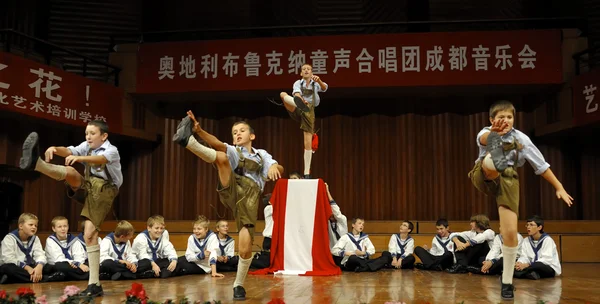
pixel 65 252
pixel 355 249
pixel 153 248
pixel 539 257
pixel 402 246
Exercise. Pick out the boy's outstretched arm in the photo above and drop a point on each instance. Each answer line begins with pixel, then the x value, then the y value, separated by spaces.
pixel 561 193
pixel 210 139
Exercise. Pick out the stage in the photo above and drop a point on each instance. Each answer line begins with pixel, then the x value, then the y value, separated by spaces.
pixel 578 284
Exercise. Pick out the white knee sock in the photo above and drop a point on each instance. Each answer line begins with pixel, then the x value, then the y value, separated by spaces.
pixel 509 256
pixel 488 163
pixel 307 160
pixel 56 172
pixel 289 100
pixel 94 260
pixel 242 271
pixel 207 154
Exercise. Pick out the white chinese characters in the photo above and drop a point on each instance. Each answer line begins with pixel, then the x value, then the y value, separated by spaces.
pixel 589 92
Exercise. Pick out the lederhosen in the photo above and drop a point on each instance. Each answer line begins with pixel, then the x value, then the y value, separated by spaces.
pixel 95 193
pixel 506 187
pixel 242 195
pixel 306 119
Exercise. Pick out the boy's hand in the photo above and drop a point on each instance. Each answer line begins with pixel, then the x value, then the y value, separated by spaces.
pixel 563 195
pixel 37 273
pixel 273 173
pixel 500 126
pixel 425 247
pixel 215 275
pixel 486 266
pixel 225 259
pixel 156 269
pixel 72 159
pixel 50 153
pixel 206 253
pixel 132 268
pixel 350 253
pixel 196 127
pixel 360 253
pixel 316 78
pixel 220 259
pixel 399 264
pixel 84 267
pixel 172 266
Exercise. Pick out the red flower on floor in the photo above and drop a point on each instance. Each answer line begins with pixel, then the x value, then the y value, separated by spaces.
pixel 276 301
pixel 136 294
pixel 24 291
pixel 3 294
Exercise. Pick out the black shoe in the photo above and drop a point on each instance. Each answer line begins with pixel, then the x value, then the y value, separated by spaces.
pixel 457 268
pixel 3 279
pixel 55 277
pixel 532 275
pixel 104 276
pixel 31 152
pixel 184 131
pixel 239 293
pixel 496 150
pixel 148 274
pixel 420 266
pixel 116 276
pixel 474 270
pixel 300 104
pixel 93 290
pixel 507 292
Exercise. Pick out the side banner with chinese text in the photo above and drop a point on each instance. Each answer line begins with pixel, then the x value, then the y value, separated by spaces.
pixel 46 92
pixel 586 106
pixel 383 60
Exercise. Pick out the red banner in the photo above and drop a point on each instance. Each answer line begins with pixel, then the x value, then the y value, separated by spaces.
pixel 586 105
pixel 46 92
pixel 383 60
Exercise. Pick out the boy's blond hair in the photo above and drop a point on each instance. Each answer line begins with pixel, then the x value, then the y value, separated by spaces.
pixel 123 228
pixel 219 223
pixel 156 219
pixel 502 105
pixel 24 217
pixel 59 218
pixel 202 221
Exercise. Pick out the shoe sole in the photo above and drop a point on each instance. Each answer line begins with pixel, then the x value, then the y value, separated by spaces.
pixel 181 128
pixel 494 144
pixel 240 299
pixel 300 104
pixel 29 145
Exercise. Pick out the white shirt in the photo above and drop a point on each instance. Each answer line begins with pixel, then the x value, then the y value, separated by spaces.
pixel 226 247
pixel 57 250
pixel 401 248
pixel 340 225
pixel 146 248
pixel 351 243
pixel 109 250
pixel 542 250
pixel 496 250
pixel 475 238
pixel 15 251
pixel 196 248
pixel 268 232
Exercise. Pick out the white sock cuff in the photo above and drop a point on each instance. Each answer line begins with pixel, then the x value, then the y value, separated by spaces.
pixel 93 248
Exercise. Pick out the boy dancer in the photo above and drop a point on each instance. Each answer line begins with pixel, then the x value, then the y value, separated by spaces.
pixel 302 106
pixel 239 190
pixel 501 150
pixel 97 189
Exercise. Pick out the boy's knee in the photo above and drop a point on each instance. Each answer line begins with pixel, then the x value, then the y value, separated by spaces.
pixel 71 171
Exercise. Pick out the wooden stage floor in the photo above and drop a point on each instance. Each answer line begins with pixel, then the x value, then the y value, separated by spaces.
pixel 578 284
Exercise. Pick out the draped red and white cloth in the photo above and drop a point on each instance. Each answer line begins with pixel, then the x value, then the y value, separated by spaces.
pixel 300 241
